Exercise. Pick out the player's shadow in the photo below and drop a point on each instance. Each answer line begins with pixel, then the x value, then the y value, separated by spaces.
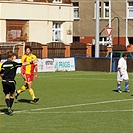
pixel 3 110
pixel 122 91
pixel 24 101
pixel 115 91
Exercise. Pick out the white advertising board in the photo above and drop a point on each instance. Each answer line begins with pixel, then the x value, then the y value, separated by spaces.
pixel 45 65
pixel 52 65
pixel 64 64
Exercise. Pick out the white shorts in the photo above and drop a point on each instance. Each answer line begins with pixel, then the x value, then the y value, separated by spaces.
pixel 123 77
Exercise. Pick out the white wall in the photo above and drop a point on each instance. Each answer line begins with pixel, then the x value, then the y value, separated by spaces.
pixel 41 31
pixel 40 16
pixel 34 11
pixel 37 31
pixel 2 30
pixel 66 38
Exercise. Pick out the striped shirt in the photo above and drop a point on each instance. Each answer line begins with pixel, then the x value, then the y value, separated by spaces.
pixel 9 69
pixel 29 69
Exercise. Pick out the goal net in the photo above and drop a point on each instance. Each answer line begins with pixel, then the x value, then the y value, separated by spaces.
pixel 7 46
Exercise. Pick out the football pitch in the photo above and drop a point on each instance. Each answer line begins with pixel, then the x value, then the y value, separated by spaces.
pixel 71 102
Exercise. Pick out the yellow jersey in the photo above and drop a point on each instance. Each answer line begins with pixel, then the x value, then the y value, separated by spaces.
pixel 29 69
pixel 0 66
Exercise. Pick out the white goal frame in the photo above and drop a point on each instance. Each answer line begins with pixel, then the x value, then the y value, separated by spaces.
pixel 13 44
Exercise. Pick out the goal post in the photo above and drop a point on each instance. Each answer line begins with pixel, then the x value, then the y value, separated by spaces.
pixel 17 47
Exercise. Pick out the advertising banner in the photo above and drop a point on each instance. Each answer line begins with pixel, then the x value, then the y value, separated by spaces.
pixel 52 65
pixel 45 65
pixel 64 64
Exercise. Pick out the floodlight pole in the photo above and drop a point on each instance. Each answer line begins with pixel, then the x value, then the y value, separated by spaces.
pixel 97 30
pixel 111 59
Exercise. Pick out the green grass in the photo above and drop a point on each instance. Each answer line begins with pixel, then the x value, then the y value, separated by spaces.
pixel 71 102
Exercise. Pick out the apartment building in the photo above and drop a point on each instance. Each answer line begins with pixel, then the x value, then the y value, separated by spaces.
pixel 118 12
pixel 41 21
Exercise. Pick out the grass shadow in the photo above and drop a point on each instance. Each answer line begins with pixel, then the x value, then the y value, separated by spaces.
pixel 24 101
pixel 122 91
pixel 115 91
pixel 3 110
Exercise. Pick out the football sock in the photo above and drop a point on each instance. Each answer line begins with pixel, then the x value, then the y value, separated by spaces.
pixel 32 93
pixel 23 88
pixel 119 86
pixel 8 102
pixel 126 85
pixel 11 102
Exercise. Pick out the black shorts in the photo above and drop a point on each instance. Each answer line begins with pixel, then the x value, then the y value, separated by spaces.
pixel 8 87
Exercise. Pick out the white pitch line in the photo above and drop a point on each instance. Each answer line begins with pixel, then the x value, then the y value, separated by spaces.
pixel 81 112
pixel 76 105
pixel 70 106
pixel 86 104
pixel 73 112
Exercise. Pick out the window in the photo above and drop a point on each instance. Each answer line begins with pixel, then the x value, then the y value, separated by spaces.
pixel 130 39
pixel 130 10
pixel 16 30
pixel 57 1
pixel 76 10
pixel 56 37
pixel 76 39
pixel 100 14
pixel 106 9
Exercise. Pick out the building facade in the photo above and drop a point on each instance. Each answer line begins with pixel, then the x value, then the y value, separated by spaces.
pixel 41 21
pixel 117 12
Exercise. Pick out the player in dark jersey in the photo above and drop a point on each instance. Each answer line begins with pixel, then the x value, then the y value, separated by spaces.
pixel 8 73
